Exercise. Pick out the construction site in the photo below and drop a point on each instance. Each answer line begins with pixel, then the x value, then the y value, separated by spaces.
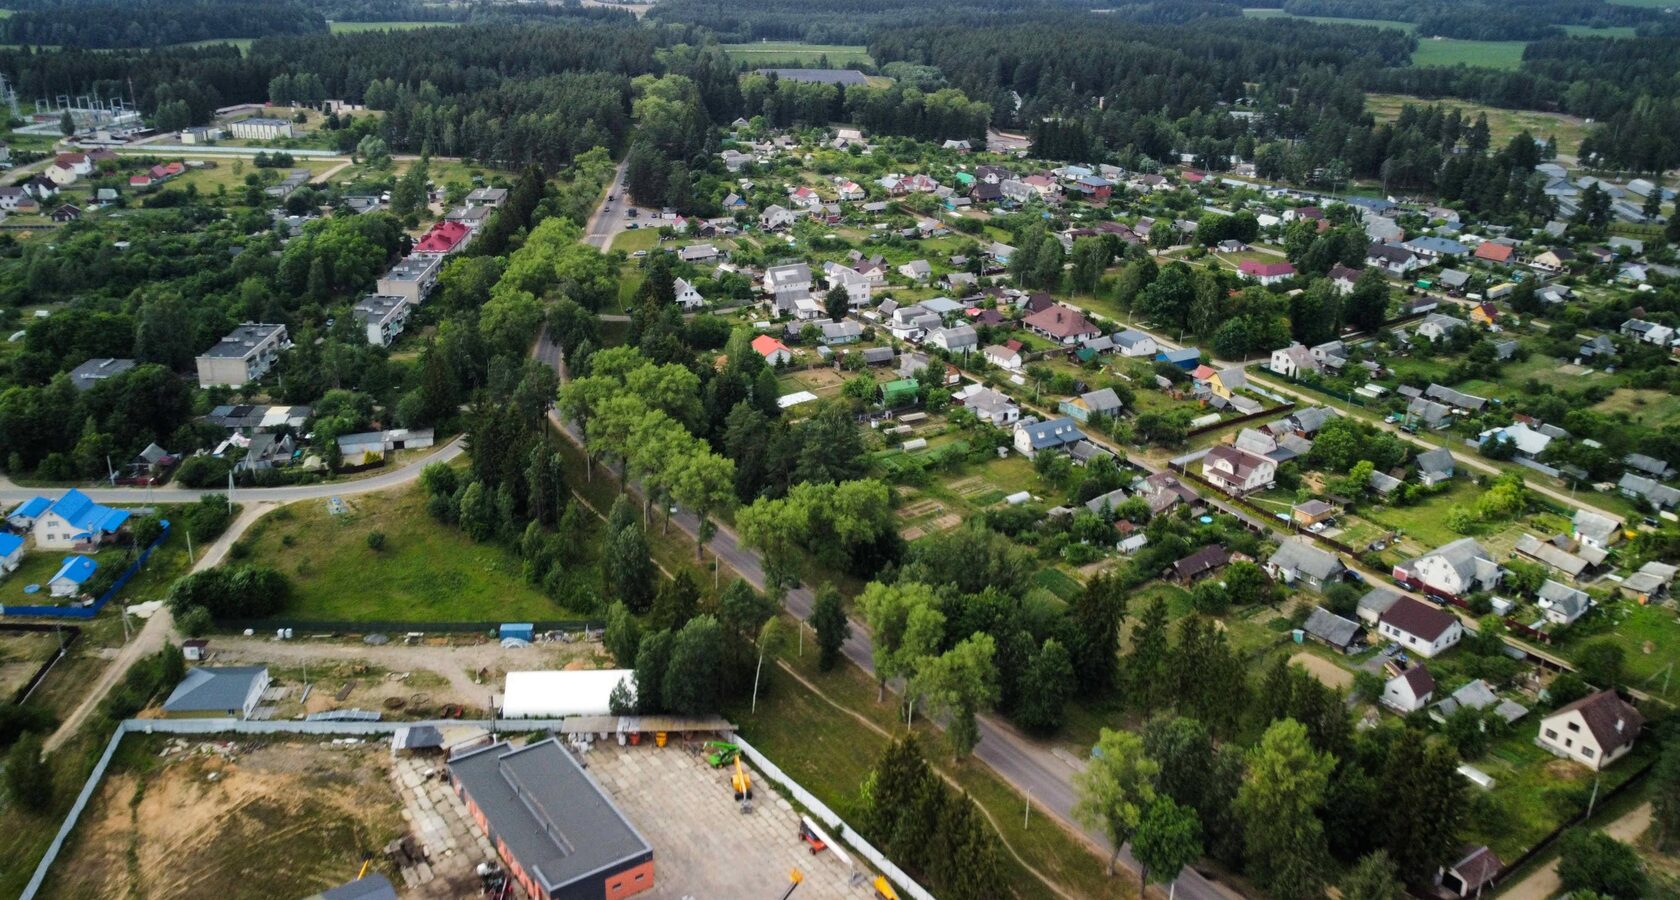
pixel 450 811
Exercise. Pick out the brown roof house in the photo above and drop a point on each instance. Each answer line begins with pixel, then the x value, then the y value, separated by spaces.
pixel 1063 324
pixel 1594 731
pixel 1419 627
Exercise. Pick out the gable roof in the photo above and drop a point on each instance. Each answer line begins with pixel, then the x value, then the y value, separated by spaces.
pixel 1297 555
pixel 1204 560
pixel 86 516
pixel 1437 460
pixel 1418 679
pixel 76 570
pixel 1418 618
pixel 1061 321
pixel 1330 628
pixel 214 689
pixel 1377 600
pixel 1613 722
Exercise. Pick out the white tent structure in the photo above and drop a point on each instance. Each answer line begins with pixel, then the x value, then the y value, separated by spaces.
pixel 554 694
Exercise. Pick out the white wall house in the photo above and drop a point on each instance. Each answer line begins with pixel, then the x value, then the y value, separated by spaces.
pixel 1594 731
pixel 1420 628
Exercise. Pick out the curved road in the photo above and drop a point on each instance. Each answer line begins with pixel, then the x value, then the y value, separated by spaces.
pixel 171 493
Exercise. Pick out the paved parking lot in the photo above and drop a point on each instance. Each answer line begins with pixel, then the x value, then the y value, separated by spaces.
pixel 704 848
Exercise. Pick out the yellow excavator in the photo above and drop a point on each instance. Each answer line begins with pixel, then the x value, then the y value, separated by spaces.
pixel 741 782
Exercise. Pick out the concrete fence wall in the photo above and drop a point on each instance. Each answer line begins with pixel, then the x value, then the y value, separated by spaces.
pixel 207 727
pixel 837 825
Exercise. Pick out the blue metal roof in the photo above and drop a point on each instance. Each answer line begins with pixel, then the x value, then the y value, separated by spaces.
pixel 9 543
pixel 86 516
pixel 1182 354
pixel 76 569
pixel 32 508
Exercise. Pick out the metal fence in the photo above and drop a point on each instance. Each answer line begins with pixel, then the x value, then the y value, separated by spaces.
pixel 91 610
pixel 770 770
pixel 384 626
pixel 830 818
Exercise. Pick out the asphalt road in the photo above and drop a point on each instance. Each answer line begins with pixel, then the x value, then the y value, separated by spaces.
pixel 170 493
pixel 1030 766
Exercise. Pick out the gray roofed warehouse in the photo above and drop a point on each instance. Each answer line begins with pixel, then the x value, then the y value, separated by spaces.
pixel 558 832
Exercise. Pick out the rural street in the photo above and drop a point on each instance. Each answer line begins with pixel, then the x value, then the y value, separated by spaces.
pixel 11 493
pixel 1031 767
pixel 155 634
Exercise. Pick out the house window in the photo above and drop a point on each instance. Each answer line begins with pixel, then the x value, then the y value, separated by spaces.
pixel 1573 726
pixel 1551 734
pixel 1569 742
pixel 1587 752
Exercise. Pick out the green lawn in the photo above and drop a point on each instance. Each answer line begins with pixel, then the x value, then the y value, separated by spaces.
pixel 796 53
pixel 427 571
pixel 1454 52
pixel 1653 407
pixel 830 752
pixel 1647 636
pixel 1534 792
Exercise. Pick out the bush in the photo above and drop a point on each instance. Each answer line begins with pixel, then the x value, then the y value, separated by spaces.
pixel 246 592
pixel 208 518
pixel 376 541
pixel 203 471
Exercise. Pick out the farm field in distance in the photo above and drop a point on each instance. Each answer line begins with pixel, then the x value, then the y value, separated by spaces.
pixel 795 53
pixel 1503 124
pixel 1453 52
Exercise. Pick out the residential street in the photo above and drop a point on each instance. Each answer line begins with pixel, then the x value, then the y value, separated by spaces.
pixel 11 493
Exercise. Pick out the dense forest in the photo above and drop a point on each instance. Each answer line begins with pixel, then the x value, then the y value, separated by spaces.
pixel 152 23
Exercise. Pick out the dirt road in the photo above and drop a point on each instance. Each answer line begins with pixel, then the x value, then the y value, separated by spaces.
pixel 457 664
pixel 1543 884
pixel 158 631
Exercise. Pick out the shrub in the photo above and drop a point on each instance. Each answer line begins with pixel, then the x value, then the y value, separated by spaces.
pixel 376 541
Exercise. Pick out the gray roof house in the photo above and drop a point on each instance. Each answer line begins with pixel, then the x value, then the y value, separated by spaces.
pixel 1332 630
pixel 1657 494
pixel 1561 603
pixel 1435 466
pixel 1648 465
pixel 219 691
pixel 1376 602
pixel 1454 569
pixel 90 373
pixel 1479 695
pixel 1298 561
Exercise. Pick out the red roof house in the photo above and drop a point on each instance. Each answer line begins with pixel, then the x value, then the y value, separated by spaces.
pixel 1266 273
pixel 772 350
pixel 1495 252
pixel 444 237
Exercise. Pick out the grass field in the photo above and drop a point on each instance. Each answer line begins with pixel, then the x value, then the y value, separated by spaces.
pixel 1454 52
pixel 426 572
pixel 796 53
pixel 1645 406
pixel 1503 124
pixel 1329 20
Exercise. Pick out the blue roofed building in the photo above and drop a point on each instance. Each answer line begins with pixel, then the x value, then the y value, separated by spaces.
pixel 23 516
pixel 74 520
pixel 1185 358
pixel 72 576
pixel 11 553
